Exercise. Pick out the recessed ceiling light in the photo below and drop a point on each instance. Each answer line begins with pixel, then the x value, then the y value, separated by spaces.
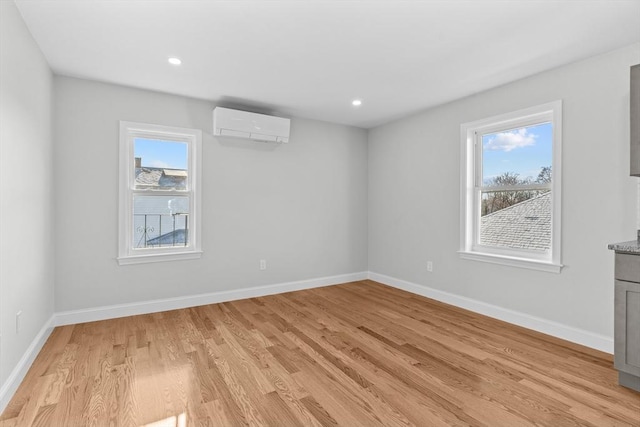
pixel 174 61
pixel 356 102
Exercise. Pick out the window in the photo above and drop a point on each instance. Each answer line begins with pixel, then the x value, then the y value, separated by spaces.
pixel 159 193
pixel 510 188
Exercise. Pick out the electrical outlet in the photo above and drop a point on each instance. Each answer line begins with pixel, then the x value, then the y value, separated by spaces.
pixel 18 314
pixel 263 264
pixel 429 266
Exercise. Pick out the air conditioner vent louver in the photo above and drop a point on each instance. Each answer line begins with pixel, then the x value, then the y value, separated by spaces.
pixel 244 124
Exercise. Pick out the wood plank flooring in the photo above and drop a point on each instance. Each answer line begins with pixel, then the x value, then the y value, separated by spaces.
pixel 358 354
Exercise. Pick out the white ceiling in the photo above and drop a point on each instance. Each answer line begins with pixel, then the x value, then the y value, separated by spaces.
pixel 310 58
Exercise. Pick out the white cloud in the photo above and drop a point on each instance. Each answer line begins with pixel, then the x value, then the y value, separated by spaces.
pixel 507 141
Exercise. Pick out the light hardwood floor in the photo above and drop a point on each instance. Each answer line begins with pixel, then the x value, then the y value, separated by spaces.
pixel 358 354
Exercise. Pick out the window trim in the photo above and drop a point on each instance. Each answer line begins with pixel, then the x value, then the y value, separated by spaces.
pixel 469 249
pixel 193 138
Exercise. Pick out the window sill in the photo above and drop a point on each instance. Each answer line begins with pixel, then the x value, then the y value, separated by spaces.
pixel 512 261
pixel 147 258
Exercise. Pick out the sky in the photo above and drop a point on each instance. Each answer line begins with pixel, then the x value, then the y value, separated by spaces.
pixel 161 154
pixel 523 151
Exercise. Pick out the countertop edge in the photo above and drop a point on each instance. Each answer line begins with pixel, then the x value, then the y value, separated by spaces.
pixel 630 247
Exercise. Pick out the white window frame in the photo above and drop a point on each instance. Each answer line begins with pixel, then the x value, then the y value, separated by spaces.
pixel 470 170
pixel 129 131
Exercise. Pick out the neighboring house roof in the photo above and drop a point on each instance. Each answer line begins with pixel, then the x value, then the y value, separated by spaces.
pixel 147 177
pixel 175 172
pixel 177 237
pixel 525 225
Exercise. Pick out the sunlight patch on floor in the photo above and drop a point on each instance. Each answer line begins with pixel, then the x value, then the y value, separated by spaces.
pixel 175 421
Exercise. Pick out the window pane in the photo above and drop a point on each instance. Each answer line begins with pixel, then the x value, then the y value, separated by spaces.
pixel 518 156
pixel 516 219
pixel 160 221
pixel 160 165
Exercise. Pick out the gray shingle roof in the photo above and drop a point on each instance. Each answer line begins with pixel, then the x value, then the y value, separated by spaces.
pixel 525 225
pixel 176 237
pixel 160 178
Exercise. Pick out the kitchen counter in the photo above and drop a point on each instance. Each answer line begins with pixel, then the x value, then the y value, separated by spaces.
pixel 630 247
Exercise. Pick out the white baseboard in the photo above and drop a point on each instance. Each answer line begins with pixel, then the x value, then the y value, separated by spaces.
pixel 559 330
pixel 17 375
pixel 153 306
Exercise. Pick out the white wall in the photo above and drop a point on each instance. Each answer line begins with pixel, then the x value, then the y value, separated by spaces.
pixel 26 228
pixel 414 202
pixel 302 206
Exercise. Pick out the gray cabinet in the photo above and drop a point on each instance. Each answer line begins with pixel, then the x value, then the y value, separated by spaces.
pixel 627 319
pixel 635 120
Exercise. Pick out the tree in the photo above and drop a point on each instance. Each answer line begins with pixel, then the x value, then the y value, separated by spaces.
pixel 545 175
pixel 497 200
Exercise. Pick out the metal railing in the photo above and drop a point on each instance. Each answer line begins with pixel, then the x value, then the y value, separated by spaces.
pixel 149 228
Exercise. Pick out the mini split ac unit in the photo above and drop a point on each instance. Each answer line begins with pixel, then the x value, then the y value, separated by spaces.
pixel 243 124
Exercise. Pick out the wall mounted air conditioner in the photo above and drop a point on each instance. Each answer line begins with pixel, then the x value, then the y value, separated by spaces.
pixel 243 124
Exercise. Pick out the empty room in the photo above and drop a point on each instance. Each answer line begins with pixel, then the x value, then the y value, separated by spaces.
pixel 319 213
